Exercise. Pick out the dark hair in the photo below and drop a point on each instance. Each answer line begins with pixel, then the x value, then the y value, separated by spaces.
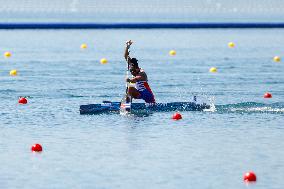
pixel 134 62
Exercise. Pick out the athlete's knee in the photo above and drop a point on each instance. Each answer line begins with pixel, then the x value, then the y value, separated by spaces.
pixel 131 89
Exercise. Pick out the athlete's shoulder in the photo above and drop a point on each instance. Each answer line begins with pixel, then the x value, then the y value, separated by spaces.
pixel 143 75
pixel 142 72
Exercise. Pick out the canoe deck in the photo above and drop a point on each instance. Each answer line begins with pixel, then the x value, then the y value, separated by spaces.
pixel 108 106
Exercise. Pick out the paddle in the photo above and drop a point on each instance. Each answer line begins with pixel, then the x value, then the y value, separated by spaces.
pixel 126 100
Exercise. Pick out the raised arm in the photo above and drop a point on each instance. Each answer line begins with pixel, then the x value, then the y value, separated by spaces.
pixel 126 53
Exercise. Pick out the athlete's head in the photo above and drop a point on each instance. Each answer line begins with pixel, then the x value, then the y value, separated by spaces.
pixel 134 62
pixel 134 68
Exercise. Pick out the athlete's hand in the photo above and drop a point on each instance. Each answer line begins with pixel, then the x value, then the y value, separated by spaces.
pixel 128 43
pixel 127 80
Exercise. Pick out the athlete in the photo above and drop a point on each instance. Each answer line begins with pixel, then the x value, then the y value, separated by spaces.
pixel 142 89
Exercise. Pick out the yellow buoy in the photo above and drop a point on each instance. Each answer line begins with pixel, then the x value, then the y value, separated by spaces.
pixel 231 45
pixel 103 61
pixel 277 59
pixel 172 53
pixel 213 70
pixel 13 72
pixel 83 46
pixel 7 54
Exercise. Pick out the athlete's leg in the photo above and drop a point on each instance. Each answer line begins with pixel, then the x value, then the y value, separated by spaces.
pixel 147 96
pixel 134 93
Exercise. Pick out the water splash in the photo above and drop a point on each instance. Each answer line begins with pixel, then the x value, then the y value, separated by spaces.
pixel 212 104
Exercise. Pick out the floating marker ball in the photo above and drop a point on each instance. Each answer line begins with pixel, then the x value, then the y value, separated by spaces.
pixel 83 46
pixel 36 148
pixel 23 100
pixel 250 177
pixel 172 53
pixel 231 45
pixel 177 116
pixel 7 54
pixel 13 72
pixel 277 59
pixel 103 61
pixel 213 70
pixel 267 95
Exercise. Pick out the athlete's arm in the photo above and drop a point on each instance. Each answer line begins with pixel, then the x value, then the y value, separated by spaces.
pixel 141 77
pixel 126 53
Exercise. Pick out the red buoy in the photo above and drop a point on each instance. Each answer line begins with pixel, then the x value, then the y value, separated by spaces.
pixel 36 148
pixel 177 116
pixel 250 177
pixel 23 100
pixel 267 95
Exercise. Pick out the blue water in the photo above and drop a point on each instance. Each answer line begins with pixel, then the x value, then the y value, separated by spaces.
pixel 113 11
pixel 211 149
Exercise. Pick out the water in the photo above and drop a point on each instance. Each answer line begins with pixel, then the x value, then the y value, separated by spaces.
pixel 211 149
pixel 141 11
